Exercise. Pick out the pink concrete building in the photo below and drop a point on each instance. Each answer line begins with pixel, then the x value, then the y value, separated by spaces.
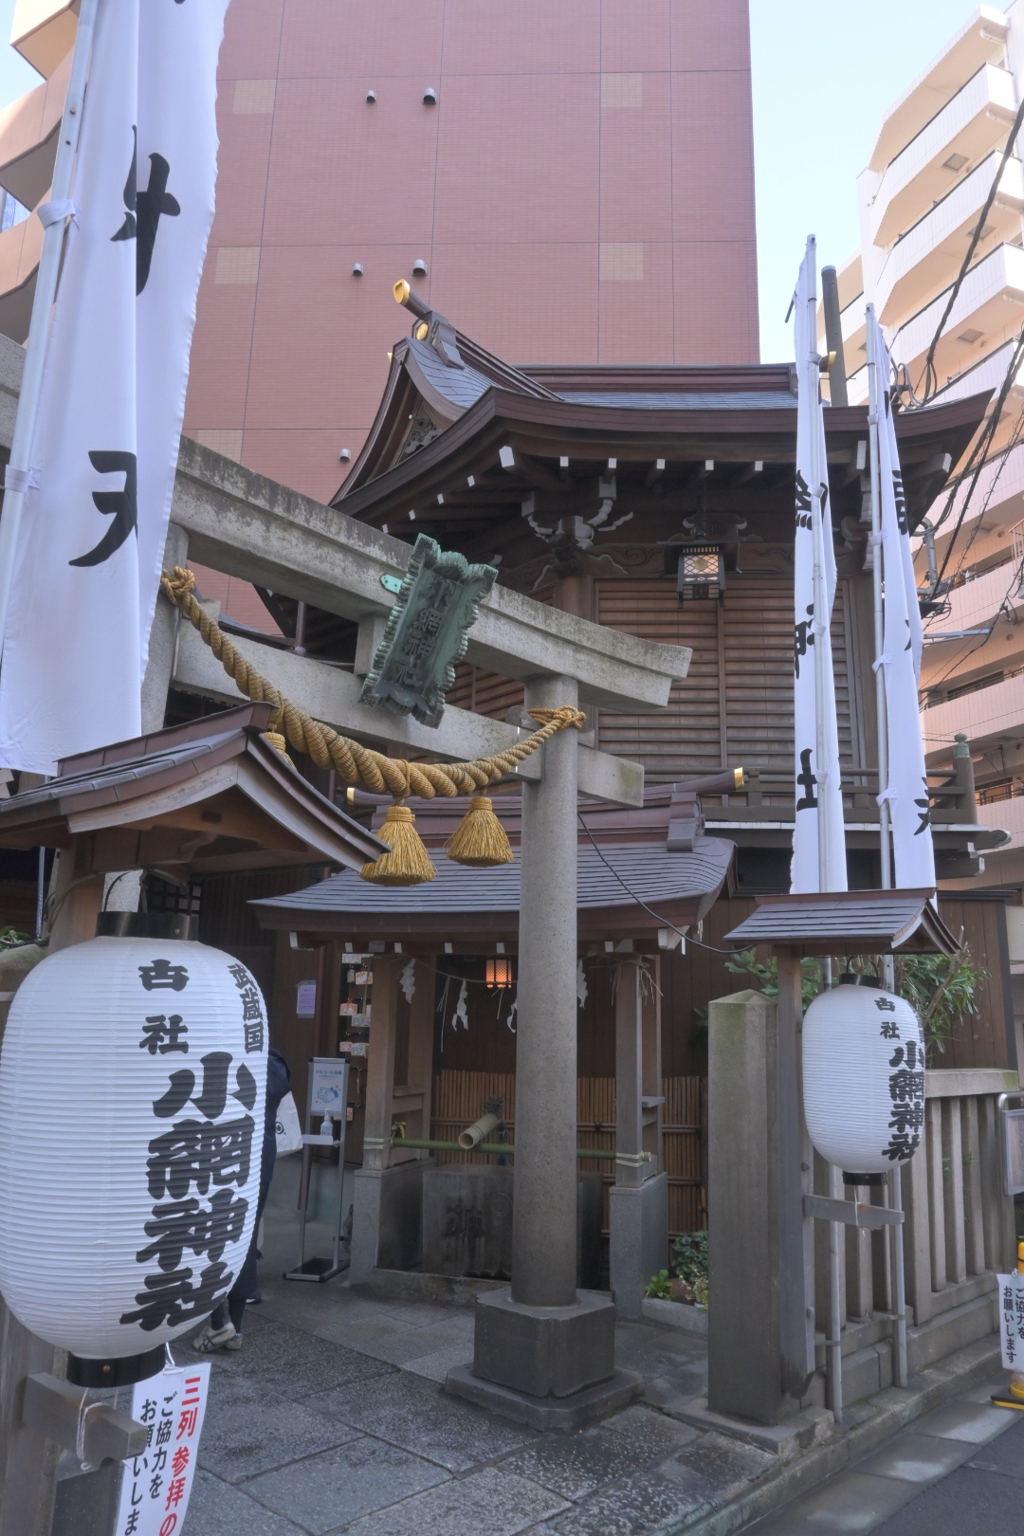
pixel 576 178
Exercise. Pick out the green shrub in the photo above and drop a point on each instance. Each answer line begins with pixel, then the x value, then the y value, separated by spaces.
pixel 690 1258
pixel 659 1286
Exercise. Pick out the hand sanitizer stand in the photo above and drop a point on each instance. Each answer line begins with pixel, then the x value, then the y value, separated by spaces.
pixel 327 1102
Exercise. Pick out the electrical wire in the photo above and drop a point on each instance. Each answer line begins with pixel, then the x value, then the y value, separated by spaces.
pixel 929 380
pixel 687 938
pixel 978 454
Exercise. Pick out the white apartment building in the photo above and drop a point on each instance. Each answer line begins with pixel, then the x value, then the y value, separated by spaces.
pixel 935 161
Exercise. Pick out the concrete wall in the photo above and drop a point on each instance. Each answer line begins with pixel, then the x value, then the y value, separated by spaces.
pixel 582 191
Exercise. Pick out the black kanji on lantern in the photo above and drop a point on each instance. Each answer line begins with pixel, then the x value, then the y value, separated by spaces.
pixel 122 506
pixel 196 1152
pixel 252 1011
pixel 161 973
pixel 144 210
pixel 162 1032
pixel 171 1298
pixel 210 1101
pixel 201 1229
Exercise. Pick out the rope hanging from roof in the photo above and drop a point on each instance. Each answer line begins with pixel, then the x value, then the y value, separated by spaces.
pixel 480 839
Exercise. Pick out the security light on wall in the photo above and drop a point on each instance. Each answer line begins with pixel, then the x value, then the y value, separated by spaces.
pixel 419 267
pixel 371 96
pixel 430 97
pixel 357 270
pixel 345 455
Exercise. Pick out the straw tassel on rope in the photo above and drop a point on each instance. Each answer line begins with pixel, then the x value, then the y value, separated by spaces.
pixel 479 840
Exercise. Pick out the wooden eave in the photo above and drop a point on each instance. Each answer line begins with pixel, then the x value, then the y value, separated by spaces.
pixel 543 431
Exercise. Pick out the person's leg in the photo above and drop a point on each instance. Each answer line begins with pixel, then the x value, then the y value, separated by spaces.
pixel 245 1282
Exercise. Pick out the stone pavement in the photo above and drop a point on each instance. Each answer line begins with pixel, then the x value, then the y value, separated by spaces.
pixel 331 1419
pixel 954 1472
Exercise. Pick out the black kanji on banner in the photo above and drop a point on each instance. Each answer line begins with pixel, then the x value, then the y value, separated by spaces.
pixel 144 210
pixel 122 506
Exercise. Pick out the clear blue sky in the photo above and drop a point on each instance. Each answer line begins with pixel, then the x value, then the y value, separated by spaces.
pixel 824 71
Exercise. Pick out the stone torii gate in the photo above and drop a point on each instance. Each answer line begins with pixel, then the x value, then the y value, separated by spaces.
pixel 543 1351
pixel 542 1344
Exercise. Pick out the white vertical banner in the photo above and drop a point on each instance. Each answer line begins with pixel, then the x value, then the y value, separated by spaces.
pixel 105 438
pixel 819 838
pixel 156 1486
pixel 900 661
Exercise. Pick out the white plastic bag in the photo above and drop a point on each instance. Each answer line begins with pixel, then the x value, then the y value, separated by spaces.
pixel 289 1131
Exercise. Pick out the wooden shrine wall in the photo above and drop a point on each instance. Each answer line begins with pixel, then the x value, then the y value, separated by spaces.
pixel 459 1098
pixel 736 705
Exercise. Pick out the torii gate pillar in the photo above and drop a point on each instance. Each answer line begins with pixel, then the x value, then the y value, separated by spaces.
pixel 544 1353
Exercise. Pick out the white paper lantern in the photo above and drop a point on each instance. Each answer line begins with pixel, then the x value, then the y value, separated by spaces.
pixel 132 1086
pixel 863 1058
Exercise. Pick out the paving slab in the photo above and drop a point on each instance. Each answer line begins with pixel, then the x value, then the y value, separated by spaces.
pixel 974 1422
pixel 637 1505
pixel 217 1509
pixel 967 1503
pixel 249 1429
pixel 715 1467
pixel 327 1492
pixel 575 1465
pixel 292 1362
pixel 414 1343
pixel 1004 1454
pixel 435 1367
pixel 917 1458
pixel 490 1503
pixel 414 1414
pixel 854 1502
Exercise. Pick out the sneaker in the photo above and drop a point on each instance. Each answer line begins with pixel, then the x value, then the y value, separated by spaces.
pixel 255 1299
pixel 211 1339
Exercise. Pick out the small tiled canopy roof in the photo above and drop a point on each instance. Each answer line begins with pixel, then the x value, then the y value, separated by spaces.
pixel 848 923
pixel 207 797
pixel 678 887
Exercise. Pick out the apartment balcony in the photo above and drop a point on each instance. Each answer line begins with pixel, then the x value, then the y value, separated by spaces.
pixel 28 138
pixel 20 249
pixel 928 257
pixel 979 41
pixel 989 311
pixel 987 715
pixel 43 32
pixel 968 128
pixel 976 603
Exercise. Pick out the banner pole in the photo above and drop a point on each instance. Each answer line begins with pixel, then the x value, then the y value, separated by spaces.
pixel 874 405
pixel 42 308
pixel 821 616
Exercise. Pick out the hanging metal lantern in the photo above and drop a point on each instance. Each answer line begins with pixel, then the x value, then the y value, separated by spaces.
pixel 863 1063
pixel 700 572
pixel 132 1086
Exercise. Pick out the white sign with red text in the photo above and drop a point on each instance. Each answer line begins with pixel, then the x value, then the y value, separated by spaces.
pixel 156 1485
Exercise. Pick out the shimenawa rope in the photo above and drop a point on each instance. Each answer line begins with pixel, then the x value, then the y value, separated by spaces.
pixel 479 840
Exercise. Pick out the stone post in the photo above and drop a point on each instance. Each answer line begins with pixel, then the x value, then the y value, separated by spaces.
pixel 544 1353
pixel 163 638
pixel 380 1080
pixel 743 1227
pixel 638 1208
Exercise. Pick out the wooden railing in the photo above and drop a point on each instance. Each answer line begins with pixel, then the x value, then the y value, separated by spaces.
pixel 958 1231
pixel 960 1222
